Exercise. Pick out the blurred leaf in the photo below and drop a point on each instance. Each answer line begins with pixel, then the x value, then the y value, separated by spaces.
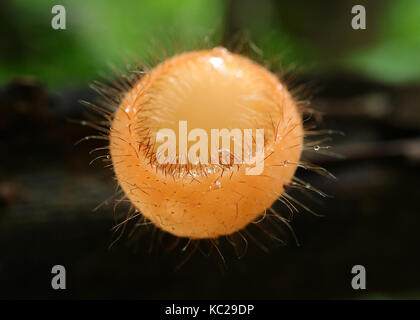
pixel 395 56
pixel 100 32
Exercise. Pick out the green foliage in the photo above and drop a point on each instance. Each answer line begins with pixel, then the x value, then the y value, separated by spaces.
pixel 103 32
pixel 394 57
pixel 99 32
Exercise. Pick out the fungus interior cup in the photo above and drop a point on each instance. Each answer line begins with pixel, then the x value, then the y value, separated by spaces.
pixel 208 89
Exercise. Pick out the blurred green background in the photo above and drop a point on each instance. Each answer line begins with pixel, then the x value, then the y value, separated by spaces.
pixel 315 36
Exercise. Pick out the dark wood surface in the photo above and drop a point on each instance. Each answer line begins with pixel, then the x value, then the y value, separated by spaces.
pixel 48 191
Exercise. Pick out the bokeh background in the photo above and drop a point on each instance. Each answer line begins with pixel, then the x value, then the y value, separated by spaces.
pixel 365 82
